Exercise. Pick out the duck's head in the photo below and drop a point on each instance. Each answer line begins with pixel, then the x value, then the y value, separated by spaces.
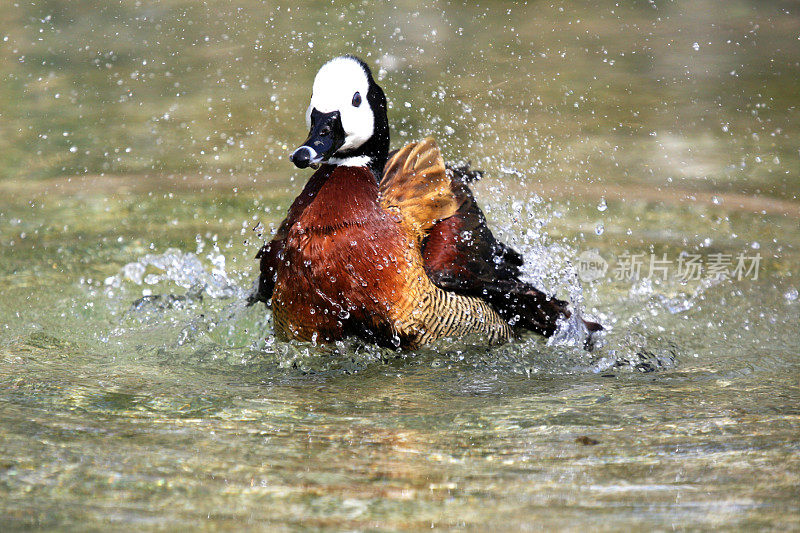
pixel 346 118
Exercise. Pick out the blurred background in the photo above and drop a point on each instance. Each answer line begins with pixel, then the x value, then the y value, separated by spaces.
pixel 699 95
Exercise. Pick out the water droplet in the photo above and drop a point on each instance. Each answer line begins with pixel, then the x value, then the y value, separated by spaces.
pixel 599 229
pixel 791 295
pixel 602 206
pixel 696 46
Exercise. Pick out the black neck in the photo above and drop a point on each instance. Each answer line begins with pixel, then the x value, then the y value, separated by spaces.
pixel 377 147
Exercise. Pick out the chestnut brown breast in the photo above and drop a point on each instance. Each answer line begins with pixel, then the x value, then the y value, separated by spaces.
pixel 351 266
pixel 342 259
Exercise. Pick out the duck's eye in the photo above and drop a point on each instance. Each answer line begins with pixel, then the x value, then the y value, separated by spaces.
pixel 356 99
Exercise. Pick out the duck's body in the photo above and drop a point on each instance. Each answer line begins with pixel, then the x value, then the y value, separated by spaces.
pixel 345 262
pixel 398 254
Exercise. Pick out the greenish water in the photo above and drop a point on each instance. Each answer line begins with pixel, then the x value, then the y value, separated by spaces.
pixel 140 145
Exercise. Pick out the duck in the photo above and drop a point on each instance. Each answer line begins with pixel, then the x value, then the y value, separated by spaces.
pixel 389 247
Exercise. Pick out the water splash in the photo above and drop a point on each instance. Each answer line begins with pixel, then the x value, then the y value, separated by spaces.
pixel 683 302
pixel 184 269
pixel 182 300
pixel 194 306
pixel 639 352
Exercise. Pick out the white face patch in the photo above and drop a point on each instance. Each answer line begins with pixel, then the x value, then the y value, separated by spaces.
pixel 334 87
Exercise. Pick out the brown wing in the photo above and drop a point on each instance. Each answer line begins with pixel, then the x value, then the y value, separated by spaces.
pixel 460 253
pixel 416 184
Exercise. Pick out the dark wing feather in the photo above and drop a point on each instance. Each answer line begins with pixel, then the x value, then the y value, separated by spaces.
pixel 462 255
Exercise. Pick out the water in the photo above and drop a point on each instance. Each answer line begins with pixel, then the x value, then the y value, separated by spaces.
pixel 143 157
